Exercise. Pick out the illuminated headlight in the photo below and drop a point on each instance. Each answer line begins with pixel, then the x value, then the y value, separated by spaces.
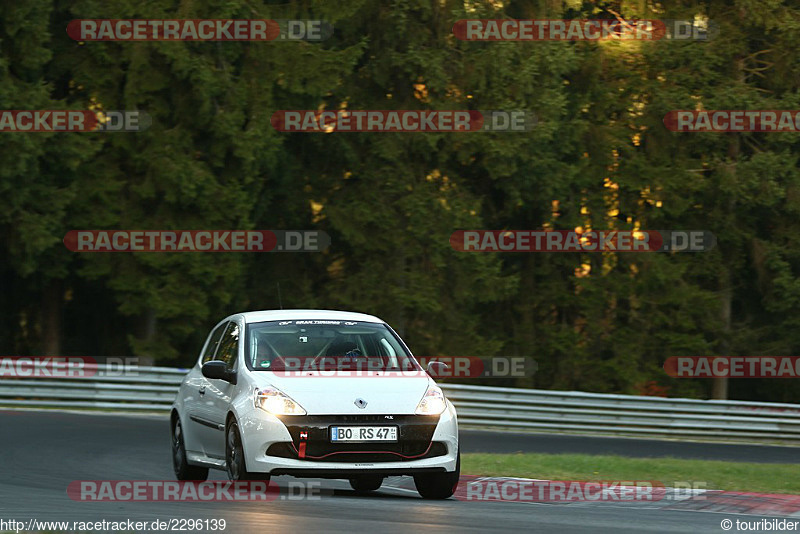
pixel 433 403
pixel 277 403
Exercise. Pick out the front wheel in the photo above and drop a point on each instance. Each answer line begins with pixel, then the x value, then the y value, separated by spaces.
pixel 363 484
pixel 439 485
pixel 183 471
pixel 234 457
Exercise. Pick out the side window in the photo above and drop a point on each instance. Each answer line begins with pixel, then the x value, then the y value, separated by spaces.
pixel 229 345
pixel 213 341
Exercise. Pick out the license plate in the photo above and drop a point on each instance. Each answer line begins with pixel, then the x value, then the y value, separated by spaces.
pixel 341 434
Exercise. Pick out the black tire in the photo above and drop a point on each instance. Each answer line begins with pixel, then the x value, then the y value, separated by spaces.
pixel 366 483
pixel 183 471
pixel 234 456
pixel 439 485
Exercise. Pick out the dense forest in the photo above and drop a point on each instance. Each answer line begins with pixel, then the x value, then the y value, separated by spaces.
pixel 599 157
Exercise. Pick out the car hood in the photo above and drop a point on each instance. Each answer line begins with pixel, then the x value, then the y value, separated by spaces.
pixel 384 393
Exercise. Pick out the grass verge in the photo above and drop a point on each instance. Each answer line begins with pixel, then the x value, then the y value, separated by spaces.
pixel 732 476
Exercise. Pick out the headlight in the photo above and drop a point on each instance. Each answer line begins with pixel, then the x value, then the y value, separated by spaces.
pixel 433 403
pixel 276 402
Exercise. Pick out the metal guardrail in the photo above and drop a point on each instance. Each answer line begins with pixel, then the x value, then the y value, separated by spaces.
pixel 626 415
pixel 131 389
pixel 153 389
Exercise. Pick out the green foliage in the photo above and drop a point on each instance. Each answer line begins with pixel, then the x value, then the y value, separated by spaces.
pixel 599 157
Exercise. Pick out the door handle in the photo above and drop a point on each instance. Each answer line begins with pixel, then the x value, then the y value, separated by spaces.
pixel 203 390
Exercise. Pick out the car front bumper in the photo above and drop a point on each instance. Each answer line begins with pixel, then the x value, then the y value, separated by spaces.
pixel 301 446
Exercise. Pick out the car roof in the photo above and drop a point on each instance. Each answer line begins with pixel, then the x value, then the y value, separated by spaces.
pixel 290 315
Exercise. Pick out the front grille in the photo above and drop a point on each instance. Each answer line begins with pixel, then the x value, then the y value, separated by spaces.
pixel 413 439
pixel 287 450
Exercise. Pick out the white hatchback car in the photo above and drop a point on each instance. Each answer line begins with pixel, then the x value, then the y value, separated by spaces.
pixel 314 393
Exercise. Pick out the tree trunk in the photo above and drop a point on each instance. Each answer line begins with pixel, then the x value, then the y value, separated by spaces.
pixel 52 300
pixel 720 385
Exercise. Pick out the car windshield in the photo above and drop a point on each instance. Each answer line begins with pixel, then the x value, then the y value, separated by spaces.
pixel 321 345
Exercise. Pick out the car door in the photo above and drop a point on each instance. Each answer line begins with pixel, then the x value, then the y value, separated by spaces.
pixel 200 429
pixel 220 392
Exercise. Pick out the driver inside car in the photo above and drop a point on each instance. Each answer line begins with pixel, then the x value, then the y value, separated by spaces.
pixel 342 348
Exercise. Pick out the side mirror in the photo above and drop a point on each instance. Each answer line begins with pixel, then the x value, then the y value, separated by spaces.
pixel 218 370
pixel 437 368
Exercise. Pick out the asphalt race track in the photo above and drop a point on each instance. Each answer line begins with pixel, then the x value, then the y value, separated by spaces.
pixel 42 452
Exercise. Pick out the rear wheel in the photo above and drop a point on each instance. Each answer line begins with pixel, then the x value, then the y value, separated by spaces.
pixel 439 485
pixel 234 457
pixel 183 471
pixel 363 484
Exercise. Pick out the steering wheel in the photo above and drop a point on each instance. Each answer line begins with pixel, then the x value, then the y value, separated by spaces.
pixel 354 353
